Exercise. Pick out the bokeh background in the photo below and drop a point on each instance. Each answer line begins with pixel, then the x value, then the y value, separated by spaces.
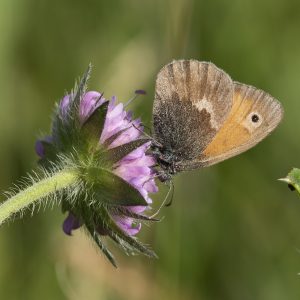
pixel 233 231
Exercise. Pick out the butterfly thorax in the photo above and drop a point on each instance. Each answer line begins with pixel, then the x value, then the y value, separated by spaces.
pixel 166 159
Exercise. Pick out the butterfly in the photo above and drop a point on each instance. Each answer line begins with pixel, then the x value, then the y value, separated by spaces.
pixel 202 117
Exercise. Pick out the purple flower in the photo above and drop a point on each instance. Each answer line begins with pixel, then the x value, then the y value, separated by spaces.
pixel 135 168
pixel 70 223
pixel 102 144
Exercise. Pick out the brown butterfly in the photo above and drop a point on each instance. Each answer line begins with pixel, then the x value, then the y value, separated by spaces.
pixel 202 117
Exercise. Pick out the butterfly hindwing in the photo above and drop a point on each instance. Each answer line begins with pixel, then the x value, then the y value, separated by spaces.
pixel 192 101
pixel 253 116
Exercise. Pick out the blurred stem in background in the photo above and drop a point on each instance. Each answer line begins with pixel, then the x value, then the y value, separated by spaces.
pixel 179 14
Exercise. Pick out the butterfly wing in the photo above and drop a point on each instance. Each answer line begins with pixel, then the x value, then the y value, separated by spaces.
pixel 254 115
pixel 192 101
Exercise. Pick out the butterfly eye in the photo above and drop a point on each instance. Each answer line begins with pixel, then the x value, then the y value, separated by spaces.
pixel 255 118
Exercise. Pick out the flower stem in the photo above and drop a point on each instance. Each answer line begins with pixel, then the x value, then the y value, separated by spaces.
pixel 38 190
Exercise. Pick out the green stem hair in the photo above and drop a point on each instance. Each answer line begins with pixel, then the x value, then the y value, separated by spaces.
pixel 38 190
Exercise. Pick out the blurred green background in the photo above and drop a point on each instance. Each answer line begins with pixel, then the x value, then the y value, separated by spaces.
pixel 233 231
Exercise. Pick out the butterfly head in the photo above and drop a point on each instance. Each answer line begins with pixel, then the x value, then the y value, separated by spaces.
pixel 166 160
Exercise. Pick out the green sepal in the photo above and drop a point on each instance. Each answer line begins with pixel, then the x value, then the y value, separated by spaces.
pixel 65 131
pixel 117 153
pixel 113 190
pixel 293 179
pixel 92 128
pixel 109 140
pixel 97 239
pixel 64 135
pixel 76 97
pixel 128 243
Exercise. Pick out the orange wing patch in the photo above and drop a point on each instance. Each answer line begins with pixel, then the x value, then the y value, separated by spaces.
pixel 233 133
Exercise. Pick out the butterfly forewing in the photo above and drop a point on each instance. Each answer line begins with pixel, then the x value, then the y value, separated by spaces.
pixel 192 101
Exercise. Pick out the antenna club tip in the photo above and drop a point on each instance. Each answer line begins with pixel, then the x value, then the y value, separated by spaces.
pixel 140 92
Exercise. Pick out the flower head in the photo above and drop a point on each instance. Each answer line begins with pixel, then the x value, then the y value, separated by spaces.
pixel 106 145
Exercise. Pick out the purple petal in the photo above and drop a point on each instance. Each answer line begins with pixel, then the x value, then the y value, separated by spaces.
pixel 127 225
pixel 128 172
pixel 145 160
pixel 112 122
pixel 89 103
pixel 137 153
pixel 129 115
pixel 137 209
pixel 71 223
pixel 39 148
pixel 116 111
pixel 117 119
pixel 113 100
pixel 127 136
pixel 150 186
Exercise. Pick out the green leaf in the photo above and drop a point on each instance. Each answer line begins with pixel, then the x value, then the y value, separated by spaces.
pixel 293 180
pixel 112 189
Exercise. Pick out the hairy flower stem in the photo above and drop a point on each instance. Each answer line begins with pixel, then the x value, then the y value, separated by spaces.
pixel 37 191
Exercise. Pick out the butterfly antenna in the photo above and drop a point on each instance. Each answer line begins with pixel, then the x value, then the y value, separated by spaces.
pixel 136 94
pixel 147 127
pixel 164 202
pixel 172 188
pixel 147 135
